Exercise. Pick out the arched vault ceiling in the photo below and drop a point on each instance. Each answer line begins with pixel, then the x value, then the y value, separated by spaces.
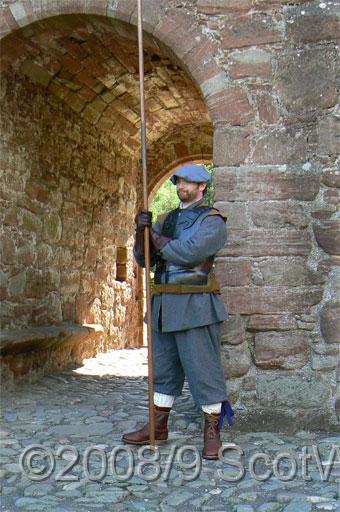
pixel 91 64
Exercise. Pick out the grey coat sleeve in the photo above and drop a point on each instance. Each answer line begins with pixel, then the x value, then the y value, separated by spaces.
pixel 206 242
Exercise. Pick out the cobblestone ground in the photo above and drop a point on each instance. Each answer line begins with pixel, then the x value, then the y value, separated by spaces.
pixel 94 405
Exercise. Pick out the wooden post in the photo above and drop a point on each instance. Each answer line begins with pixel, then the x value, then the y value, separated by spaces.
pixel 146 232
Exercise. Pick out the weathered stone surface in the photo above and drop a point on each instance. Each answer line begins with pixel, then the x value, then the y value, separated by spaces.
pixel 331 197
pixel 300 390
pixel 252 62
pixel 249 30
pixel 310 23
pixel 220 6
pixel 236 360
pixel 52 228
pixel 297 70
pixel 330 322
pixel 289 272
pixel 325 349
pixel 288 350
pixel 331 178
pixel 327 235
pixel 328 136
pixel 327 264
pixel 30 222
pixel 231 146
pixel 268 108
pixel 39 282
pixel 25 340
pixel 25 254
pixel 36 73
pixel 16 285
pixel 236 213
pixel 280 147
pixel 233 331
pixel 282 243
pixel 7 248
pixel 270 299
pixel 271 322
pixel 215 84
pixel 230 106
pixel 265 183
pixel 233 273
pixel 278 214
pixel 324 362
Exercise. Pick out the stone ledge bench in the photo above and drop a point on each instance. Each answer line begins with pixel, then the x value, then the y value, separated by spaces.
pixel 16 341
pixel 37 350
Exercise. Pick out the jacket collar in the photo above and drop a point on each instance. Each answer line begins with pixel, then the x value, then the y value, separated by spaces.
pixel 193 205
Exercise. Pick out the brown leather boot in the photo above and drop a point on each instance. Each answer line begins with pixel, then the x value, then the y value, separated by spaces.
pixel 142 436
pixel 212 440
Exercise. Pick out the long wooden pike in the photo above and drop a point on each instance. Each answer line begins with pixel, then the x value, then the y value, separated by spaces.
pixel 146 232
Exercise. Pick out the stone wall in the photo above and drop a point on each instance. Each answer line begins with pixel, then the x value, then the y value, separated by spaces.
pixel 68 202
pixel 266 74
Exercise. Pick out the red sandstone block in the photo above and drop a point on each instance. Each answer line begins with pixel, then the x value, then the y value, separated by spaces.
pixel 231 146
pixel 331 178
pixel 249 184
pixel 287 350
pixel 250 30
pixel 253 62
pixel 268 108
pixel 231 106
pixel 233 273
pixel 289 242
pixel 281 147
pixel 327 235
pixel 271 322
pixel 313 27
pixel 270 299
pixel 178 31
pixel 223 6
pixel 200 59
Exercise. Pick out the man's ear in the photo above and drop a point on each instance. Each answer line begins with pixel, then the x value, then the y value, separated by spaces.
pixel 203 187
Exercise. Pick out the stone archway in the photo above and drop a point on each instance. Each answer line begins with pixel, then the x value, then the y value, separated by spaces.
pixel 72 179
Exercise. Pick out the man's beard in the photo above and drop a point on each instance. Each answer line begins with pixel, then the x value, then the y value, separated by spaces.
pixel 186 196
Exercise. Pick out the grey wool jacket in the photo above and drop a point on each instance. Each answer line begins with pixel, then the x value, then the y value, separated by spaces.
pixel 178 312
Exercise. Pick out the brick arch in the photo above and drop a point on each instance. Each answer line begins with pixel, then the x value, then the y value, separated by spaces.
pixel 173 27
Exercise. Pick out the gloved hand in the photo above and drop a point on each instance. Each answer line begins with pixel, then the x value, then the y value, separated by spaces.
pixel 158 241
pixel 143 219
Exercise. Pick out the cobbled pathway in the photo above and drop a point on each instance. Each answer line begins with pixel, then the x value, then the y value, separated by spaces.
pixel 61 451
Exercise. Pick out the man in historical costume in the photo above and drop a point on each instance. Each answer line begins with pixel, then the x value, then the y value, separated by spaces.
pixel 187 310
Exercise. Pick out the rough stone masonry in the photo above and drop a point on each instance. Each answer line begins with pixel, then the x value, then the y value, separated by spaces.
pixel 249 84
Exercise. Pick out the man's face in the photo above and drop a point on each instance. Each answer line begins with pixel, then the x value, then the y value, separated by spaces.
pixel 188 191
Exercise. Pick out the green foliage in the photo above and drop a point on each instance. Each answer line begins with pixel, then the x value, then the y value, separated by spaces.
pixel 166 198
